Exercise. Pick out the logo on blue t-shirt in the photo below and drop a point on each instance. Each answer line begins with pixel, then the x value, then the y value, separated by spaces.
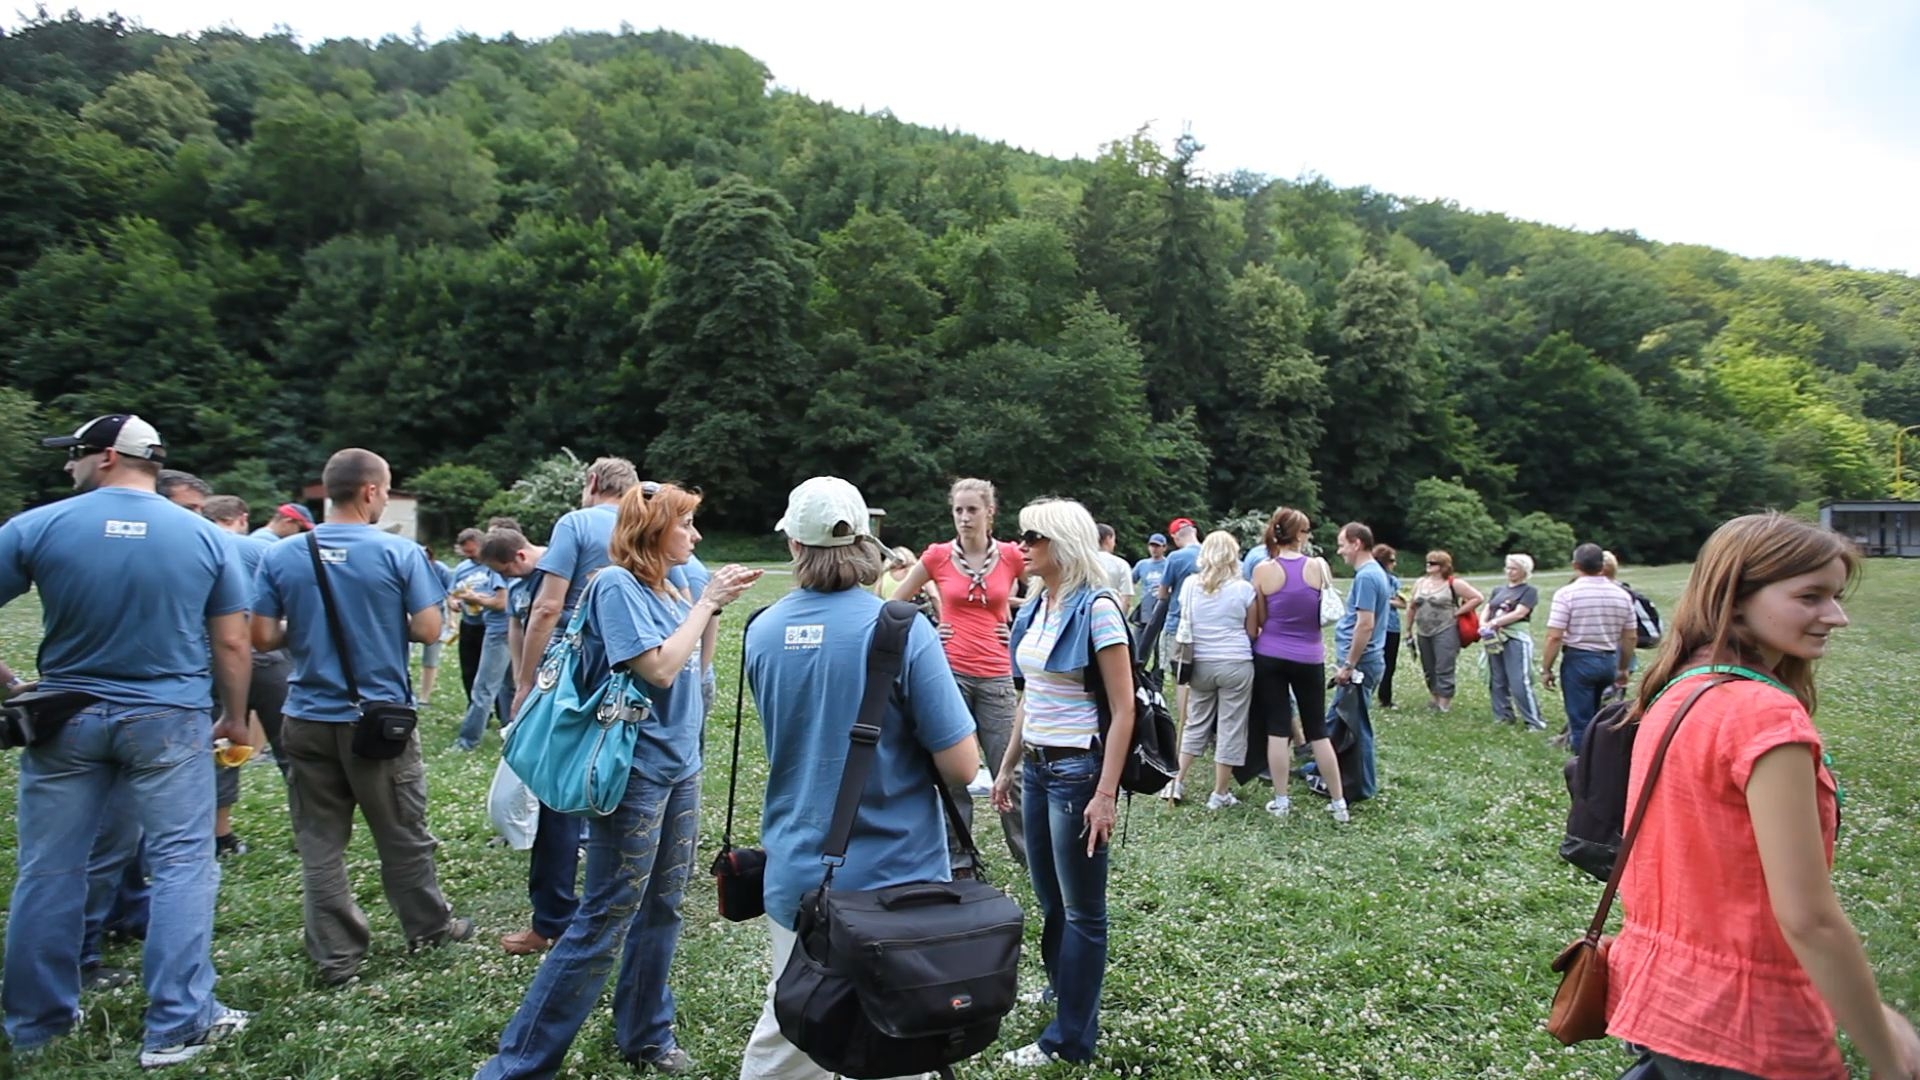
pixel 808 636
pixel 127 530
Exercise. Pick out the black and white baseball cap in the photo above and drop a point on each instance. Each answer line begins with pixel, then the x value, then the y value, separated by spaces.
pixel 122 432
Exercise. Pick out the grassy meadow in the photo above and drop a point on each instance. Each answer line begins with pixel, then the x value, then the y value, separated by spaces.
pixel 1413 943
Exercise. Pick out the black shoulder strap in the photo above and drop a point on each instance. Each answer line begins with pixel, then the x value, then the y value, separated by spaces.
pixel 884 658
pixel 739 708
pixel 333 615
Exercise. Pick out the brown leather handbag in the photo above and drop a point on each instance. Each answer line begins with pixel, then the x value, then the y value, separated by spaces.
pixel 1579 1012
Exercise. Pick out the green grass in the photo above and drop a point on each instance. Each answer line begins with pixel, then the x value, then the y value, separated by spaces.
pixel 1412 944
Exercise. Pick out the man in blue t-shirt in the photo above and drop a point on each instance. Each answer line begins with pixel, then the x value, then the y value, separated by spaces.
pixel 143 617
pixel 384 595
pixel 507 553
pixel 468 573
pixel 1180 566
pixel 1360 646
pixel 1146 575
pixel 806 658
pixel 490 692
pixel 267 693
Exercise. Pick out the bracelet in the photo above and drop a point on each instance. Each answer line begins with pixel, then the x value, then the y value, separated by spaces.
pixel 1114 795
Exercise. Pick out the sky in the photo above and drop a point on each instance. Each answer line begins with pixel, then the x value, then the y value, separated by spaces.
pixel 1770 127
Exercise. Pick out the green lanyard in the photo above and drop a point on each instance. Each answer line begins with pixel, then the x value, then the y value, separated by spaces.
pixel 1826 759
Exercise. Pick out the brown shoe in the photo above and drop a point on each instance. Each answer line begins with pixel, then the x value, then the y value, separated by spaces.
pixel 524 943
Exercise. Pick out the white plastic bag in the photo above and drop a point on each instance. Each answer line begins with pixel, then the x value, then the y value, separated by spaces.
pixel 511 807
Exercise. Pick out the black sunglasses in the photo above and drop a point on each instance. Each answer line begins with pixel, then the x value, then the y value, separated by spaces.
pixel 1031 537
pixel 75 453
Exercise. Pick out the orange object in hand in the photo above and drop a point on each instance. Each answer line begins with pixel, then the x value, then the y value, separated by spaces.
pixel 230 756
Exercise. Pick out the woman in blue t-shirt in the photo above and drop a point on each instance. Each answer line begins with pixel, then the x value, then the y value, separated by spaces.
pixel 638 857
pixel 1071 775
pixel 806 659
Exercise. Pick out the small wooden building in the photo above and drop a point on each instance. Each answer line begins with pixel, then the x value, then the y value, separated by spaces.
pixel 1879 526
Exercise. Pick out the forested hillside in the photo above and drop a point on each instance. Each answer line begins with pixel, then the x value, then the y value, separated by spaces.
pixel 478 252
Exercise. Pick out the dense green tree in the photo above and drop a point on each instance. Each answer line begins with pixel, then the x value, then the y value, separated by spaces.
pixel 22 461
pixel 725 373
pixel 1276 396
pixel 451 496
pixel 1373 377
pixel 1451 517
pixel 1186 290
pixel 1542 536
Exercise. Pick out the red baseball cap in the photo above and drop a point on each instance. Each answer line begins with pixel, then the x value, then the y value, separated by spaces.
pixel 298 513
pixel 1174 526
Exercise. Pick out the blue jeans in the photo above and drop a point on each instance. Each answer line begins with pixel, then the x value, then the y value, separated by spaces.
pixel 117 892
pixel 1366 781
pixel 1072 892
pixel 164 757
pixel 638 859
pixel 1585 674
pixel 489 683
pixel 552 869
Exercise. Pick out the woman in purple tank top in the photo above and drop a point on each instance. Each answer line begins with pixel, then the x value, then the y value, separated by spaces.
pixel 1289 657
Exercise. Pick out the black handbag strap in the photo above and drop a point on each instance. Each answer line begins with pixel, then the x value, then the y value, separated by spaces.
pixel 1640 809
pixel 333 616
pixel 739 708
pixel 884 659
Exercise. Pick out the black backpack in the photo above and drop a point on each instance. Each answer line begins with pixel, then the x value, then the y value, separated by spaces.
pixel 1153 759
pixel 1597 781
pixel 1646 619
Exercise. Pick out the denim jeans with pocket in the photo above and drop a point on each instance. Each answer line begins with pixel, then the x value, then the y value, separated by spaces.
pixel 1585 676
pixel 490 682
pixel 638 859
pixel 1071 889
pixel 163 757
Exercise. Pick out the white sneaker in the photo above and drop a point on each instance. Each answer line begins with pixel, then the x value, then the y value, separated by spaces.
pixel 1338 808
pixel 1173 792
pixel 1029 1056
pixel 1279 806
pixel 1221 800
pixel 982 784
pixel 229 1023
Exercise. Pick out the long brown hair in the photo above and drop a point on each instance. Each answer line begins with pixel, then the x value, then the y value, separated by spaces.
pixel 1284 530
pixel 1742 557
pixel 646 513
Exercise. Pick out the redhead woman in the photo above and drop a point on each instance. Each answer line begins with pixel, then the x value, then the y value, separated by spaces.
pixel 1439 598
pixel 975 577
pixel 1735 959
pixel 638 857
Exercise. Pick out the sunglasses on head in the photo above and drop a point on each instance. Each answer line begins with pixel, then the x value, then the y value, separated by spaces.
pixel 1032 537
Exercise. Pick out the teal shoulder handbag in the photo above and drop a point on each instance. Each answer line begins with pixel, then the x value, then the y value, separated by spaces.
pixel 572 741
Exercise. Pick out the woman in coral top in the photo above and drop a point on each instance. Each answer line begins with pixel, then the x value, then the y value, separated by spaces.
pixel 975 575
pixel 1735 959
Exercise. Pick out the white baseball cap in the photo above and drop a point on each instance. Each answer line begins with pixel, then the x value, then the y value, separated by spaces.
pixel 122 432
pixel 819 506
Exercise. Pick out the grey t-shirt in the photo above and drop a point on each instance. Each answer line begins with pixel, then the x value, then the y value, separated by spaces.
pixel 1507 597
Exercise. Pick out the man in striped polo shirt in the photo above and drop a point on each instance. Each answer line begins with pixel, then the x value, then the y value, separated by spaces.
pixel 1592 619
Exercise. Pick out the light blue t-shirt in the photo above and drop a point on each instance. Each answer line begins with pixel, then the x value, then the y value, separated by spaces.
pixel 378 581
pixel 578 548
pixel 264 533
pixel 625 620
pixel 807 664
pixel 468 574
pixel 1180 566
pixel 127 583
pixel 1393 613
pixel 1255 555
pixel 520 594
pixel 250 549
pixel 1370 591
pixel 1147 574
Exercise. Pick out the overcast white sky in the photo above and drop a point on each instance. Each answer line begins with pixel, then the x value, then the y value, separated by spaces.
pixel 1773 127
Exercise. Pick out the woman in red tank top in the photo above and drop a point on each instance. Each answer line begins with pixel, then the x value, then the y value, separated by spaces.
pixel 975 576
pixel 1734 959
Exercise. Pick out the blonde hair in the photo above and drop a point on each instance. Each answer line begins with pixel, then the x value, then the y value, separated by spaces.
pixel 1742 557
pixel 901 557
pixel 1219 560
pixel 1075 544
pixel 1524 562
pixel 973 485
pixel 1609 564
pixel 613 475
